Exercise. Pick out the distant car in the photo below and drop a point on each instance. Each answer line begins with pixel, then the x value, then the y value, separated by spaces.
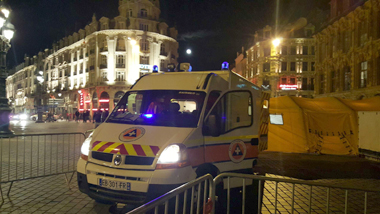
pixel 34 117
pixel 21 116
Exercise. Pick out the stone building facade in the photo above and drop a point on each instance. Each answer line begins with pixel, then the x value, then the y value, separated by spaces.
pixel 348 51
pixel 283 62
pixel 92 68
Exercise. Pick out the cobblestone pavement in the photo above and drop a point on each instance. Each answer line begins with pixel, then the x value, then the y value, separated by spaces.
pixel 52 195
pixel 48 195
pixel 355 199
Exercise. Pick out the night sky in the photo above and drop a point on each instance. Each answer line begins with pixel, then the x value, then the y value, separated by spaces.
pixel 214 29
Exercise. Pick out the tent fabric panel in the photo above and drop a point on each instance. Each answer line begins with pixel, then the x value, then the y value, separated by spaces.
pixel 326 104
pixel 370 104
pixel 289 137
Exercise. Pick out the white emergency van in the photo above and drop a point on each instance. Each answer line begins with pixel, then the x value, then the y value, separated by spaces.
pixel 169 129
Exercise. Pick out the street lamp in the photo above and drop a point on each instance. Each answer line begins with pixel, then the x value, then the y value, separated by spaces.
pixel 40 81
pixel 276 42
pixel 7 32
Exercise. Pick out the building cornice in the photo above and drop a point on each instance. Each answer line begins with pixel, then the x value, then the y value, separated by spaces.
pixel 110 33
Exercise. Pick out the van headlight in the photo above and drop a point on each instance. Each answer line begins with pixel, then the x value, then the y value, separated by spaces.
pixel 85 149
pixel 173 156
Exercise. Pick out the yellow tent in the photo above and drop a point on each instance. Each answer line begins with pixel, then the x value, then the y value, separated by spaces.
pixel 323 126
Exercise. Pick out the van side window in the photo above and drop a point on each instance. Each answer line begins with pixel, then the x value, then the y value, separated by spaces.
pixel 214 95
pixel 234 110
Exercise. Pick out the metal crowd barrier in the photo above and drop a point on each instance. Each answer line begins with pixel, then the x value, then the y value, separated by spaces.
pixel 273 195
pixel 189 198
pixel 38 155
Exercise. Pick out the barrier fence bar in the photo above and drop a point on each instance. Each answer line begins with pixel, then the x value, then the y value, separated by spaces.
pixel 13 167
pixel 287 186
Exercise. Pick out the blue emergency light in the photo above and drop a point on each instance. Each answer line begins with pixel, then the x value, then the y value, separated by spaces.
pixel 155 69
pixel 225 66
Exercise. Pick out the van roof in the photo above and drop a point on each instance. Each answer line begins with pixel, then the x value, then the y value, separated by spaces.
pixel 186 80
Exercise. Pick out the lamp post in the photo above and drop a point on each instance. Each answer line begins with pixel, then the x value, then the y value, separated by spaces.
pixel 7 32
pixel 40 80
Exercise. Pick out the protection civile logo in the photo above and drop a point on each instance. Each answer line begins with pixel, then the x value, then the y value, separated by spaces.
pixel 132 134
pixel 237 151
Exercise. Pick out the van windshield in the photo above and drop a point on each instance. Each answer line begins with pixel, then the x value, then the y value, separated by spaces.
pixel 159 108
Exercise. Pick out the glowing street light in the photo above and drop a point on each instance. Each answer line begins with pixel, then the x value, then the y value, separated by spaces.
pixel 188 51
pixel 276 42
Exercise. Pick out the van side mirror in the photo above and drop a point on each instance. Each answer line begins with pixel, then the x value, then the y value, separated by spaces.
pixel 210 127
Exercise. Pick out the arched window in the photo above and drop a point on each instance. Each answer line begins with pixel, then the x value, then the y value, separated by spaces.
pixel 130 13
pixel 143 13
pixel 104 100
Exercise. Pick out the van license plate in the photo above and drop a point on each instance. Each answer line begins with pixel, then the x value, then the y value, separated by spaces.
pixel 115 185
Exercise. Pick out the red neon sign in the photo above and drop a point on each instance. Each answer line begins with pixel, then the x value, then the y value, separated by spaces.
pixel 288 87
pixel 104 101
pixel 81 101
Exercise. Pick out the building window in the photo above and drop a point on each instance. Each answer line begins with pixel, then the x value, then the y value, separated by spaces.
pixel 162 65
pixel 305 50
pixel 293 50
pixel 120 76
pixel 321 84
pixel 363 32
pixel 333 81
pixel 283 81
pixel 103 61
pixel 292 81
pixel 120 62
pixel 284 50
pixel 363 75
pixel 144 60
pixel 143 27
pixel 347 78
pixel 266 67
pixel 312 50
pixel 293 66
pixel 144 45
pixel 266 52
pixel 104 76
pixel 162 50
pixel 312 66
pixel 304 84
pixel 305 66
pixel 143 13
pixel 130 13
pixel 284 66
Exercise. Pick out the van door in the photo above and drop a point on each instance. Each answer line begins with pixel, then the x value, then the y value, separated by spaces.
pixel 231 142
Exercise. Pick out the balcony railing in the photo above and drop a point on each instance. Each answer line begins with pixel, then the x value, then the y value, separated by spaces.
pixel 120 65
pixel 120 48
pixel 103 66
pixel 75 59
